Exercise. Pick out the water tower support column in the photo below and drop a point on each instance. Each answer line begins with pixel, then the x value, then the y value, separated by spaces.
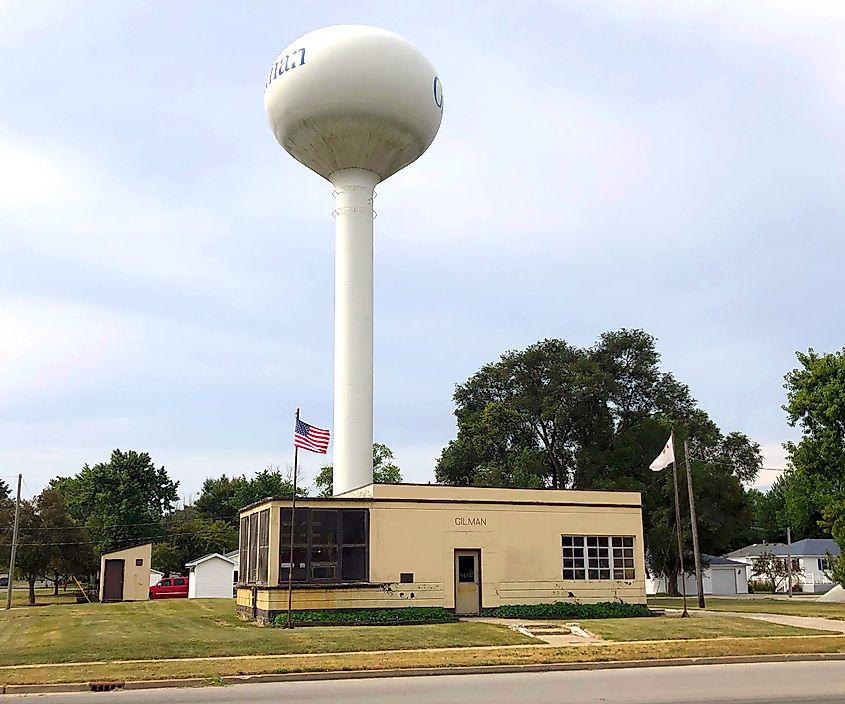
pixel 353 345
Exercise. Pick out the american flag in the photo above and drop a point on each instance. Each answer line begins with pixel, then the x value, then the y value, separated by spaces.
pixel 310 438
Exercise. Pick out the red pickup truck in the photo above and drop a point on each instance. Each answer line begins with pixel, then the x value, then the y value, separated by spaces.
pixel 170 588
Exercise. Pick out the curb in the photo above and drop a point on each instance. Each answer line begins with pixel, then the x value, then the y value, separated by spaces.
pixel 414 672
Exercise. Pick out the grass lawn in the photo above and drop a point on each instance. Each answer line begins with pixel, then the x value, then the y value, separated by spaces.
pixel 20 597
pixel 676 628
pixel 796 607
pixel 211 669
pixel 205 627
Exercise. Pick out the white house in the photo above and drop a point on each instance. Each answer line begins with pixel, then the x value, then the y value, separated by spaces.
pixel 211 576
pixel 811 554
pixel 235 556
pixel 155 575
pixel 721 576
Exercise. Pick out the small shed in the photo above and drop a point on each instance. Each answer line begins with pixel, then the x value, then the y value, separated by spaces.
pixel 125 574
pixel 211 577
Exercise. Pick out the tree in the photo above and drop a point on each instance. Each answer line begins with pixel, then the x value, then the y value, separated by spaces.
pixel 384 471
pixel 217 498
pixel 7 513
pixel 70 551
pixel 775 569
pixel 34 553
pixel 270 482
pixel 120 502
pixel 189 536
pixel 816 404
pixel 223 497
pixel 790 502
pixel 558 416
pixel 50 543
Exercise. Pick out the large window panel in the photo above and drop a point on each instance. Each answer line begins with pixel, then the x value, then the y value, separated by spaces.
pixel 243 538
pixel 598 557
pixel 330 545
pixel 263 545
pixel 354 527
pixel 253 547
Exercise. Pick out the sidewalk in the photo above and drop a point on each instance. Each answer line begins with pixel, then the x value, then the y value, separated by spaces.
pixel 821 624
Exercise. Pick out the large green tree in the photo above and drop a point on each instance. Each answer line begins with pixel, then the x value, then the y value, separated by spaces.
pixel 217 499
pixel 189 536
pixel 120 502
pixel 70 553
pixel 791 502
pixel 559 416
pixel 34 551
pixel 816 405
pixel 223 497
pixel 385 471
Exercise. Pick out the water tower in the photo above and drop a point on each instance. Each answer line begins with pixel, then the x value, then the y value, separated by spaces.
pixel 355 104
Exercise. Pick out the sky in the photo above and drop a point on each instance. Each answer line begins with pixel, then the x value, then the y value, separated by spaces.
pixel 166 269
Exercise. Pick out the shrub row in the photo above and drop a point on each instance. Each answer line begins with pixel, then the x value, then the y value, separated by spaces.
pixel 567 610
pixel 367 617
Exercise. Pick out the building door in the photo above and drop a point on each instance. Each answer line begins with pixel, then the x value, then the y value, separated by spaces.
pixel 467 582
pixel 113 586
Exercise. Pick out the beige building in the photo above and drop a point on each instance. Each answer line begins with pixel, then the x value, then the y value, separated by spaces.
pixel 125 574
pixel 462 548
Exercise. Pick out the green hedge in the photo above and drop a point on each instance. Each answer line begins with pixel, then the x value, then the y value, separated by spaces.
pixel 367 617
pixel 566 610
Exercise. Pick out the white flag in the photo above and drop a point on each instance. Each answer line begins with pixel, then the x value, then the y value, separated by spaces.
pixel 665 458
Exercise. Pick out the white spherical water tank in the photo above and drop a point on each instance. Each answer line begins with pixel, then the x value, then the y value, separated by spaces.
pixel 355 104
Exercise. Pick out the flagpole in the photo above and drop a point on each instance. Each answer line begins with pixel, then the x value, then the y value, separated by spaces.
pixel 292 528
pixel 678 521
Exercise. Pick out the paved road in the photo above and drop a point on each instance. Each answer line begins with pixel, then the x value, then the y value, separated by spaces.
pixel 763 683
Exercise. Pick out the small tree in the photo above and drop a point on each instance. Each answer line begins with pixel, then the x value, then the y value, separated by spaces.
pixel 34 553
pixel 775 569
pixel 836 568
pixel 384 471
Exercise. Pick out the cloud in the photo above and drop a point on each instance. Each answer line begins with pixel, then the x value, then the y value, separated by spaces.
pixel 54 349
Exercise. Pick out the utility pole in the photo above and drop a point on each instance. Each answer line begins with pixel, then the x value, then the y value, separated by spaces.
pixel 699 583
pixel 685 614
pixel 14 545
pixel 789 559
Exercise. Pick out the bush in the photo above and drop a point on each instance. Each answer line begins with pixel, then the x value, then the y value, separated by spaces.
pixel 566 610
pixel 367 617
pixel 763 586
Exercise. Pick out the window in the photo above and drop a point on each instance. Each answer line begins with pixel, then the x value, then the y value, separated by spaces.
pixel 328 545
pixel 178 582
pixel 244 546
pixel 139 562
pixel 824 564
pixel 574 565
pixel 253 548
pixel 164 583
pixel 263 545
pixel 622 550
pixel 598 557
pixel 466 568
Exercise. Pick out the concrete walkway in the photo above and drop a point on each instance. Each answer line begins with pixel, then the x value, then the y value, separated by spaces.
pixel 820 624
pixel 553 634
